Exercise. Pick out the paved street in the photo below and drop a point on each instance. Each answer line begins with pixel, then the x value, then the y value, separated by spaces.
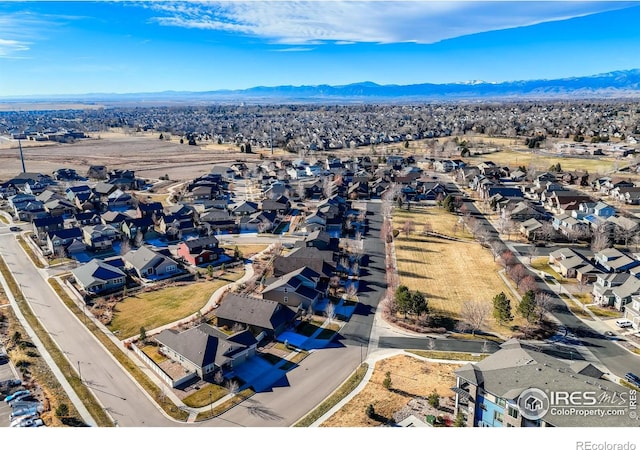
pixel 112 386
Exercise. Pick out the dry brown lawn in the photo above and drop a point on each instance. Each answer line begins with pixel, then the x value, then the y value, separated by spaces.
pixel 144 153
pixel 410 377
pixel 440 220
pixel 450 273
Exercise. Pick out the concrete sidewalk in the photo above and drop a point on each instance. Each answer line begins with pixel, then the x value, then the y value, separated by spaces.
pixel 73 397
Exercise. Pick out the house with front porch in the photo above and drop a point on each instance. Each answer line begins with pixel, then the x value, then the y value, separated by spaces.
pixel 200 251
pixel 100 237
pixel 603 287
pixel 150 264
pixel 98 277
pixel 204 350
pixel 264 318
pixel 297 289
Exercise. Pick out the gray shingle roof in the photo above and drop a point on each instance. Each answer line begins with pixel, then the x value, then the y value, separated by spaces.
pixel 266 314
pixel 204 344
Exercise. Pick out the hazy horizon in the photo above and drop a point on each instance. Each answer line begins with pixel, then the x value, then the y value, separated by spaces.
pixel 78 48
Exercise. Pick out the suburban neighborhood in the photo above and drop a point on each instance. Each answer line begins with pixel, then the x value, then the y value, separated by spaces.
pixel 496 266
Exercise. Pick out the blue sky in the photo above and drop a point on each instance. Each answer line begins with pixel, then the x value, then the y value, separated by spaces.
pixel 119 47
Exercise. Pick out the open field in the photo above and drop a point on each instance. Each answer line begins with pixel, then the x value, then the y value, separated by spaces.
pixel 440 220
pixel 410 377
pixel 449 273
pixel 156 308
pixel 144 153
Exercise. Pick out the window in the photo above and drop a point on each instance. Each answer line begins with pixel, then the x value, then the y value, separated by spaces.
pixel 498 416
pixel 501 402
pixel 483 406
pixel 513 412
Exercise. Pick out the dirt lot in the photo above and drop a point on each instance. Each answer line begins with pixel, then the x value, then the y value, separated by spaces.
pixel 149 156
pixel 410 378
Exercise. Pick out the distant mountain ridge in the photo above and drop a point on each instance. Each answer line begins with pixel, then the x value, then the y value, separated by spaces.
pixel 618 84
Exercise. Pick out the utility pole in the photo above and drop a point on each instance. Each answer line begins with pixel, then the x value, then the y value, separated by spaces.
pixel 21 156
pixel 79 372
pixel 271 136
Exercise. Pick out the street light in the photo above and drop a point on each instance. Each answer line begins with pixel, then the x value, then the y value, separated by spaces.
pixel 79 372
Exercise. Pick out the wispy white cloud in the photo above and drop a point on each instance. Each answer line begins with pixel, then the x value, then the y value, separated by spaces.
pixel 293 49
pixel 19 32
pixel 10 48
pixel 303 22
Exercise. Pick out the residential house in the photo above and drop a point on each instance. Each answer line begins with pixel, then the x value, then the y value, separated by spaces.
pixel 152 209
pixel 87 218
pixel 98 277
pixel 200 251
pixel 204 350
pixel 130 227
pixel 265 319
pixel 613 260
pixel 603 287
pixel 150 264
pixel 119 200
pixel 219 219
pixel 60 207
pixel 295 289
pixel 44 225
pixel 258 222
pixel 531 229
pixel 59 240
pixel 245 208
pixel 320 261
pixel 494 392
pixel 100 237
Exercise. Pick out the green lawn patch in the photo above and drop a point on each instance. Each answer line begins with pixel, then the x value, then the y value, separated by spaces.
pixel 153 309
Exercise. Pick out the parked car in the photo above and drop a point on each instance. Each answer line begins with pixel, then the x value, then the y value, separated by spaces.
pixel 4 358
pixel 6 384
pixel 24 397
pixel 31 423
pixel 25 411
pixel 17 395
pixel 624 323
pixel 633 379
pixel 15 422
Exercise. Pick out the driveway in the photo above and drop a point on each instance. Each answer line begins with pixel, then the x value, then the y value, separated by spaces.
pixel 261 374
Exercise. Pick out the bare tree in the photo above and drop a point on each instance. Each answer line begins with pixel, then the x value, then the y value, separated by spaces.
pixel 233 387
pixel 427 228
pixel 600 240
pixel 408 228
pixel 218 378
pixel 125 247
pixel 529 283
pixel 517 274
pixel 475 313
pixel 330 312
pixel 544 301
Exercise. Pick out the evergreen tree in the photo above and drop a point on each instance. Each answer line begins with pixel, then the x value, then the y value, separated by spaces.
pixel 387 380
pixel 502 308
pixel 527 305
pixel 403 299
pixel 448 203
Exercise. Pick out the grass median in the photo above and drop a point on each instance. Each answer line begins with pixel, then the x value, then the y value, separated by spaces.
pixel 345 389
pixel 44 375
pixel 152 389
